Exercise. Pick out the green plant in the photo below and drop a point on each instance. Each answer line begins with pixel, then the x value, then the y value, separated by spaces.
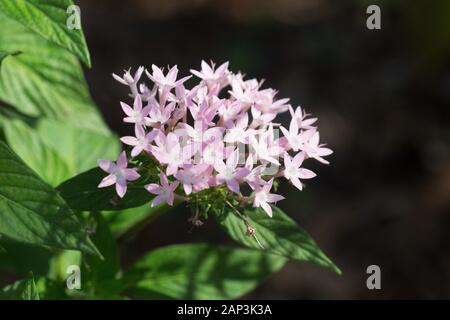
pixel 52 215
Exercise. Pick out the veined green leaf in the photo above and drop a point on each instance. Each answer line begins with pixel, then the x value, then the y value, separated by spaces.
pixel 32 212
pixel 278 235
pixel 44 80
pixel 19 258
pixel 100 270
pixel 47 162
pixel 4 54
pixel 81 193
pixel 20 290
pixel 123 221
pixel 49 18
pixel 199 271
pixel 50 289
pixel 56 151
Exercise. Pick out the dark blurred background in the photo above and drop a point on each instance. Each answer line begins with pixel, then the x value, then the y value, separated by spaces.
pixel 382 98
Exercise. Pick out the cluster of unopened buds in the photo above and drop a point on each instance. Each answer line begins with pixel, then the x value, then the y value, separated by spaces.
pixel 218 134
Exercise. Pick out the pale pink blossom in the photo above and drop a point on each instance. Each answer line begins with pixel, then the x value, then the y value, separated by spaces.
pixel 294 172
pixel 168 81
pixel 315 150
pixel 195 136
pixel 229 173
pixel 204 112
pixel 215 151
pixel 130 81
pixel 261 119
pixel 303 122
pixel 159 115
pixel 265 147
pixel 193 177
pixel 201 133
pixel 164 192
pixel 254 178
pixel 214 79
pixel 229 110
pixel 266 103
pixel 169 151
pixel 242 94
pixel 141 141
pixel 263 197
pixel 119 174
pixel 136 114
pixel 295 137
pixel 127 79
pixel 238 131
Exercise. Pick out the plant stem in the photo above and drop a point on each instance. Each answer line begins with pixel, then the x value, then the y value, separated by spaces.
pixel 249 227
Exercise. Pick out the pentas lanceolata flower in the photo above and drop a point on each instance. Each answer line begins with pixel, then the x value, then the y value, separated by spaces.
pixel 211 144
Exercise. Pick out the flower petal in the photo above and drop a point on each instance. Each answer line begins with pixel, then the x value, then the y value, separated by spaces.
pixel 121 187
pixel 129 140
pixel 122 161
pixel 107 181
pixel 267 208
pixel 131 174
pixel 127 109
pixel 305 173
pixel 107 165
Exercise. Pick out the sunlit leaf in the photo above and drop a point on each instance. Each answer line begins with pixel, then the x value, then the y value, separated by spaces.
pixel 49 18
pixel 56 151
pixel 199 271
pixel 278 235
pixel 20 290
pixel 81 193
pixel 32 212
pixel 44 80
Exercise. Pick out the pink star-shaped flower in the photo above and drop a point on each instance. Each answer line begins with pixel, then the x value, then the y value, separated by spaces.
pixel 136 114
pixel 119 174
pixel 295 138
pixel 169 151
pixel 254 178
pixel 141 141
pixel 293 170
pixel 168 81
pixel 229 173
pixel 301 116
pixel 159 115
pixel 164 192
pixel 238 131
pixel 315 150
pixel 263 197
pixel 194 177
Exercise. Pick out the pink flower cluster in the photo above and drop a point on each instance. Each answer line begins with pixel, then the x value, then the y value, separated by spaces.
pixel 219 132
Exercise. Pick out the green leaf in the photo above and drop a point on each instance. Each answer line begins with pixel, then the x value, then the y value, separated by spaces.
pixel 20 290
pixel 199 271
pixel 278 235
pixel 80 148
pixel 4 54
pixel 44 80
pixel 99 270
pixel 60 263
pixel 122 222
pixel 32 212
pixel 46 161
pixel 57 152
pixel 50 289
pixel 81 193
pixel 48 18
pixel 20 258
